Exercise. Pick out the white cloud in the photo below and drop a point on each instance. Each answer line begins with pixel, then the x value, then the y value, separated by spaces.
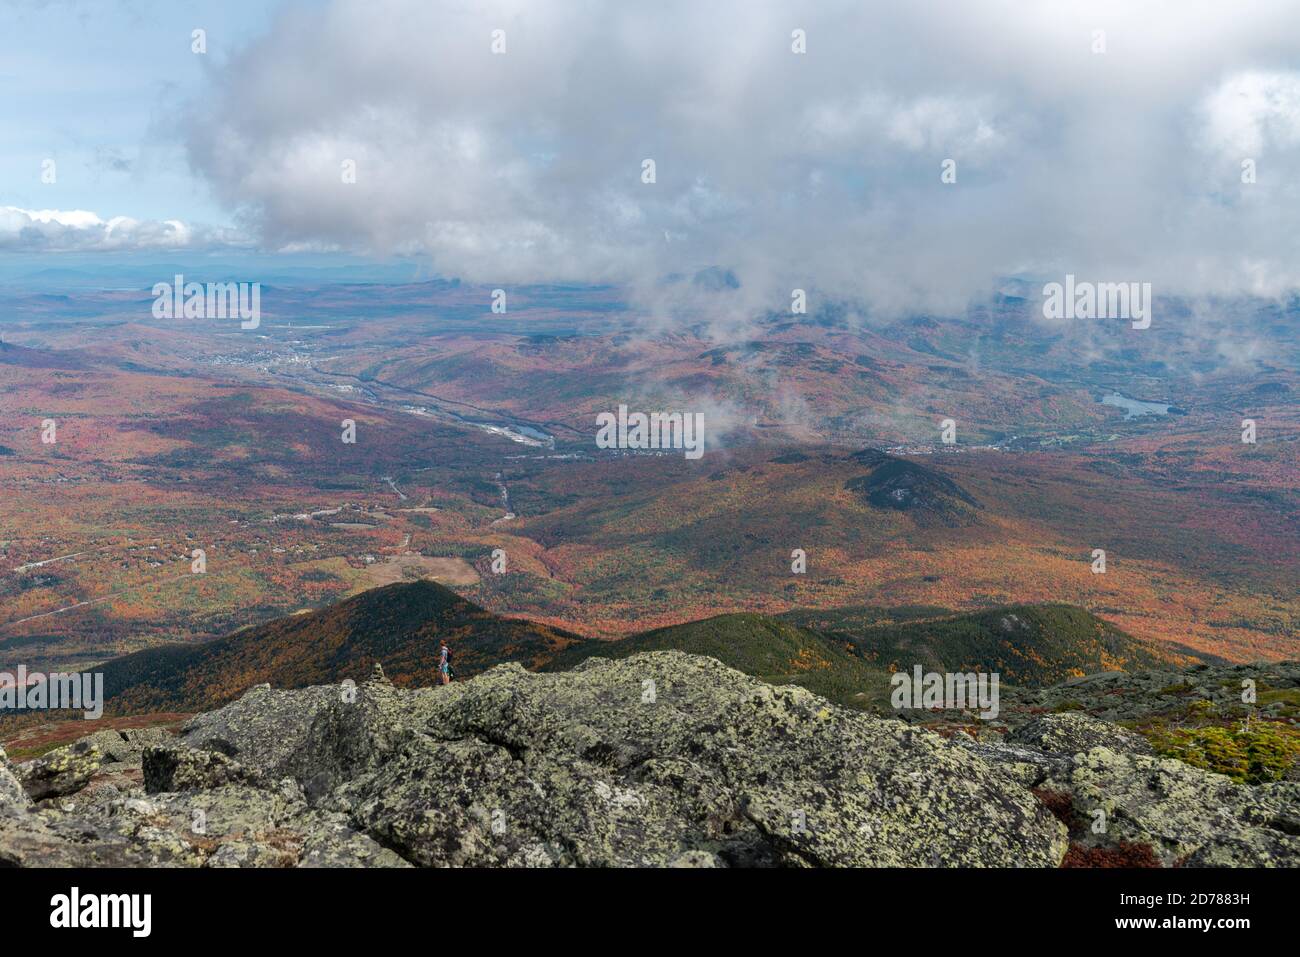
pixel 59 230
pixel 820 171
pixel 74 218
pixel 1254 111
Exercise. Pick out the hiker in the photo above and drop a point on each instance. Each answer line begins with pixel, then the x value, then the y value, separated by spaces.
pixel 444 664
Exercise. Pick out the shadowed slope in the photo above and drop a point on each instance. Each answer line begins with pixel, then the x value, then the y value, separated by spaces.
pixel 399 626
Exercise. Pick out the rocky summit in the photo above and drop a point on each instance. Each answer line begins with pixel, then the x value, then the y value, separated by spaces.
pixel 659 759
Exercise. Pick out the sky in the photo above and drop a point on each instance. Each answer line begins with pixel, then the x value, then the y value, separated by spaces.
pixel 1104 139
pixel 98 87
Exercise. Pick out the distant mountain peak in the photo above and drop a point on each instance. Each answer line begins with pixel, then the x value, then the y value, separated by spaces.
pixel 907 486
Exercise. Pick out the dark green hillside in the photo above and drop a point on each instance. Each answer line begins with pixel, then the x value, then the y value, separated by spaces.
pixel 846 655
pixel 1028 645
pixel 767 648
pixel 851 617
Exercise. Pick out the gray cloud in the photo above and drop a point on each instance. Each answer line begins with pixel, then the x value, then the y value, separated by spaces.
pixel 819 171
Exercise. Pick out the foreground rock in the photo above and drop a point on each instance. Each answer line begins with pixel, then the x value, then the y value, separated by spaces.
pixel 1114 792
pixel 664 759
pixel 61 771
pixel 659 759
pixel 1187 816
pixel 12 796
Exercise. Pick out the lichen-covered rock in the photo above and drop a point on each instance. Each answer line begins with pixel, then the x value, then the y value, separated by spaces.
pixel 62 771
pixel 126 745
pixel 1140 695
pixel 265 727
pixel 332 843
pixel 169 768
pixel 660 759
pixel 1186 815
pixel 1074 733
pixel 12 796
pixel 225 826
pixel 1026 765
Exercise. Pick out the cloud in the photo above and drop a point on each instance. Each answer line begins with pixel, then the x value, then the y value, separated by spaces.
pixel 1254 112
pixel 79 230
pixel 819 171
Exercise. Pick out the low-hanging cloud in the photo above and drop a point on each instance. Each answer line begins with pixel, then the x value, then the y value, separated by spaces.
pixel 818 170
pixel 80 230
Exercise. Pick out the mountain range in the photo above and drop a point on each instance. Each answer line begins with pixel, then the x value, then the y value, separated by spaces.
pixel 400 626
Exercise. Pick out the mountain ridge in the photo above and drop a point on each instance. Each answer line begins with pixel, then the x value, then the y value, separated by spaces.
pixel 398 626
pixel 831 653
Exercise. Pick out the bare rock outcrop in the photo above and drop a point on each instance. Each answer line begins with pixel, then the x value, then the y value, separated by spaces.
pixel 658 759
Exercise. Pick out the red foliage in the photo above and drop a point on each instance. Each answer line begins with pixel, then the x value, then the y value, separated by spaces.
pixel 1122 854
pixel 1060 804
